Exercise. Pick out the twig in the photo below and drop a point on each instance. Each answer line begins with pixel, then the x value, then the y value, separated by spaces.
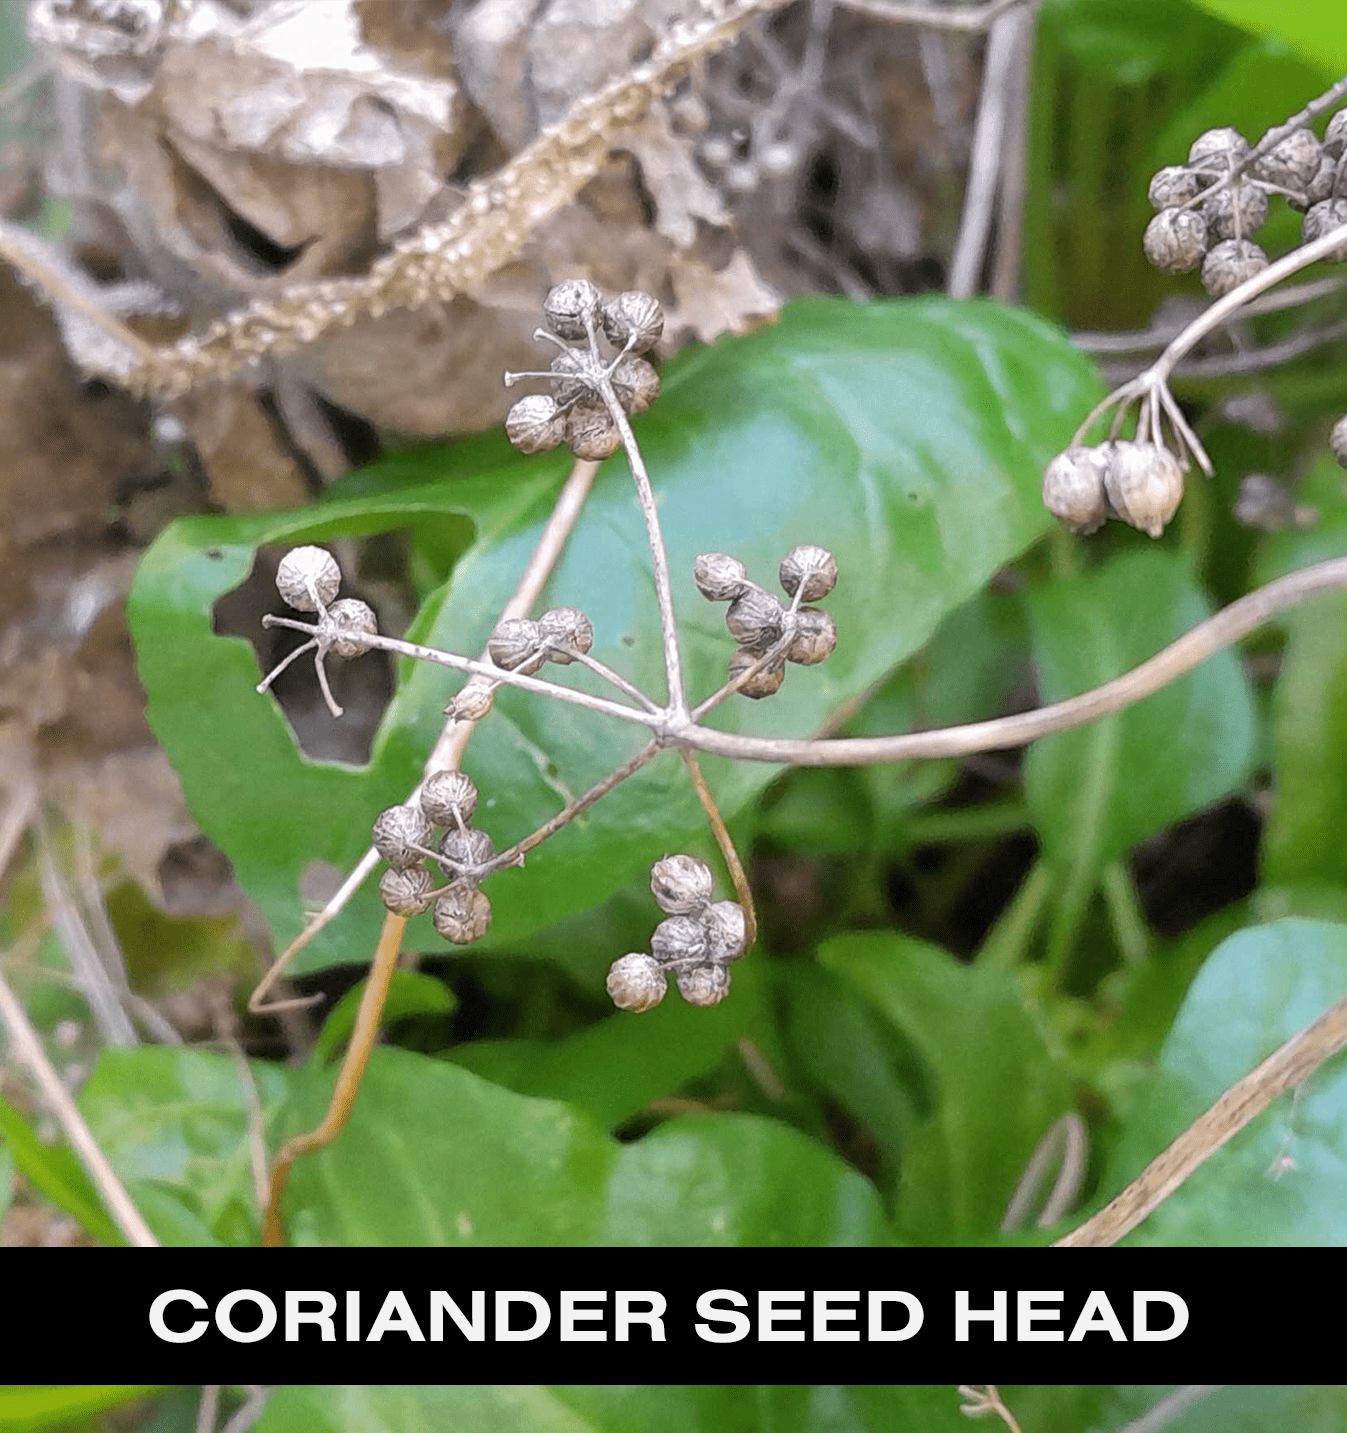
pixel 1065 1144
pixel 1005 42
pixel 251 1410
pixel 743 892
pixel 1169 1407
pixel 970 19
pixel 1289 1065
pixel 1006 253
pixel 979 1399
pixel 1258 360
pixel 29 1050
pixel 208 1409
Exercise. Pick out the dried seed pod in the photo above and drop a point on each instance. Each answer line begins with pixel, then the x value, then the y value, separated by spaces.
pixel 703 984
pixel 1321 187
pixel 681 885
pixel 1073 489
pixel 810 566
pixel 1172 186
pixel 1231 263
pixel 719 577
pixel 726 931
pixel 534 425
pixel 572 371
pixel 636 384
pixel 765 682
pixel 565 627
pixel 1236 211
pixel 467 849
pixel 633 317
pixel 636 982
pixel 1215 151
pixel 448 797
pixel 406 893
pixel 396 831
pixel 1337 439
pixel 304 572
pixel 1322 219
pixel 516 644
pixel 568 304
pixel 814 639
pixel 591 432
pixel 1144 484
pixel 754 618
pixel 462 914
pixel 354 617
pixel 473 702
pixel 1175 240
pixel 1292 162
pixel 678 938
pixel 1335 136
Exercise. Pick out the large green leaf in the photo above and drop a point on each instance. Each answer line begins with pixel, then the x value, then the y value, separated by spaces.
pixel 433 1155
pixel 992 1086
pixel 55 1172
pixel 1280 1180
pixel 1313 28
pixel 1098 790
pixel 908 436
pixel 27 1407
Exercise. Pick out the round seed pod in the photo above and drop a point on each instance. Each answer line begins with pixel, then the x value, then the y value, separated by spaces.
pixel 1230 264
pixel 1175 240
pixel 765 682
pixel 1073 489
pixel 534 425
pixel 726 931
pixel 394 833
pixel 810 566
pixel 591 433
pixel 467 849
pixel 678 938
pixel 568 304
pixel 354 616
pixel 703 984
pixel 515 644
pixel 472 703
pixel 1322 219
pixel 719 577
pixel 681 885
pixel 815 637
pixel 633 317
pixel 754 618
pixel 1236 211
pixel 636 384
pixel 406 893
pixel 563 627
pixel 1337 439
pixel 1335 136
pixel 1292 162
pixel 1216 150
pixel 636 983
pixel 572 370
pixel 462 914
pixel 305 570
pixel 445 793
pixel 1144 484
pixel 1171 186
pixel 1321 187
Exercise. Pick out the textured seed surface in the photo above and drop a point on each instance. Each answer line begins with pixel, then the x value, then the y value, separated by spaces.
pixel 302 566
pixel 636 982
pixel 681 884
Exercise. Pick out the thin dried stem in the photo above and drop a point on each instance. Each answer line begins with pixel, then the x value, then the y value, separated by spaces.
pixel 1066 1145
pixel 971 19
pixel 1289 1065
pixel 349 1076
pixel 208 1409
pixel 742 890
pixel 980 1399
pixel 28 1048
pixel 1169 1407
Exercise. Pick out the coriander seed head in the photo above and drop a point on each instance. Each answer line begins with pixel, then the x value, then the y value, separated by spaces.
pixel 633 318
pixel 809 566
pixel 534 425
pixel 516 644
pixel 726 931
pixel 681 885
pixel 448 797
pixel 1175 240
pixel 354 617
pixel 703 984
pixel 565 630
pixel 467 849
pixel 636 383
pixel 636 982
pixel 304 572
pixel 1321 219
pixel 765 682
pixel 462 913
pixel 568 304
pixel 719 577
pixel 591 432
pixel 678 938
pixel 406 893
pixel 396 831
pixel 1144 484
pixel 814 639
pixel 1231 263
pixel 1172 186
pixel 754 618
pixel 1073 488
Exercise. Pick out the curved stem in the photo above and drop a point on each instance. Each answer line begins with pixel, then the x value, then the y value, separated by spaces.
pixel 731 857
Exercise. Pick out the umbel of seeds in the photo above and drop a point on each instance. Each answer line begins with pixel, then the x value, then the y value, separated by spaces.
pixel 583 379
pixel 1142 483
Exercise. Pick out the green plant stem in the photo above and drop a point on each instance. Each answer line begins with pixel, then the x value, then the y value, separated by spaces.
pixel 965 823
pixel 1008 940
pixel 1125 913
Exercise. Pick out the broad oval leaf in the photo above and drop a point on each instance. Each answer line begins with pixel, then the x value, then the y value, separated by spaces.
pixel 907 436
pixel 1279 1181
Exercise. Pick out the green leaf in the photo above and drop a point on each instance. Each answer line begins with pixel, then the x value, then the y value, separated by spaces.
pixel 26 1407
pixel 1313 28
pixel 55 1172
pixel 1279 1181
pixel 174 1124
pixel 908 436
pixel 8 1171
pixel 1098 790
pixel 434 1156
pixel 1235 1408
pixel 992 1087
pixel 410 992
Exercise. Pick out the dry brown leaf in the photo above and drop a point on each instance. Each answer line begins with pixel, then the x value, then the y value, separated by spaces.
pixel 711 302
